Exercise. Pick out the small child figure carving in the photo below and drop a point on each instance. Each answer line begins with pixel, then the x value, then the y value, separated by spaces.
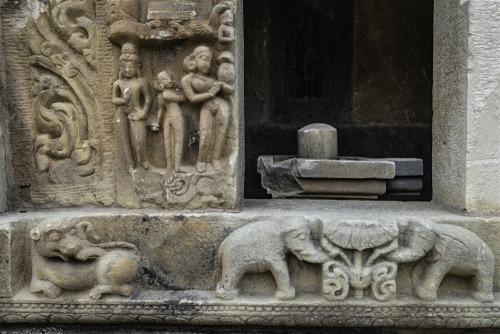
pixel 173 121
pixel 226 30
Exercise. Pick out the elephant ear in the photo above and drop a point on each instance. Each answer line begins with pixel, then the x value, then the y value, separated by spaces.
pixel 439 248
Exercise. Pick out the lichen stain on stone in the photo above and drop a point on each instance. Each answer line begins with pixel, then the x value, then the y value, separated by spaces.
pixel 196 227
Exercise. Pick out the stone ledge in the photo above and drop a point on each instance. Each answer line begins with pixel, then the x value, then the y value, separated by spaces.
pixel 202 308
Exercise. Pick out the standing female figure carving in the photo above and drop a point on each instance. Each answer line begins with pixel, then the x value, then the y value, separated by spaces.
pixel 173 121
pixel 200 87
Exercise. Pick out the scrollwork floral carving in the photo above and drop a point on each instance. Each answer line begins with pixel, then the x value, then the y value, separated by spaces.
pixel 359 252
pixel 63 46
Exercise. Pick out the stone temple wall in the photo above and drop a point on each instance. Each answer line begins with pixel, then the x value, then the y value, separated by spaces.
pixel 122 148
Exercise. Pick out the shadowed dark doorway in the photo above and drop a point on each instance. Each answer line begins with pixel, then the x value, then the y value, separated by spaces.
pixel 364 67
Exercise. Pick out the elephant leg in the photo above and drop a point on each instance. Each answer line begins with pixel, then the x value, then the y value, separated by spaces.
pixel 227 286
pixel 483 285
pixel 431 279
pixel 285 290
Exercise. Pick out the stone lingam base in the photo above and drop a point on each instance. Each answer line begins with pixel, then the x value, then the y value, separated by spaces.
pixel 318 172
pixel 349 264
pixel 286 176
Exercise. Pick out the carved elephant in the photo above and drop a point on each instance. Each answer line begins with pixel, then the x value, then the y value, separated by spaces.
pixel 446 249
pixel 67 255
pixel 263 246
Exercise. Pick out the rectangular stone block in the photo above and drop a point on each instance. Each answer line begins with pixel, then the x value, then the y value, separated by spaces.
pixel 404 184
pixel 12 256
pixel 344 169
pixel 403 166
pixel 158 10
pixel 343 187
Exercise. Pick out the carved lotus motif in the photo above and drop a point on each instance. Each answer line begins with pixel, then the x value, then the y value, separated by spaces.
pixel 358 252
pixel 361 235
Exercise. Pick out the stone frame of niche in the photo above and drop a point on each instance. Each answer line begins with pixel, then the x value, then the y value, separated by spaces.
pixel 465 105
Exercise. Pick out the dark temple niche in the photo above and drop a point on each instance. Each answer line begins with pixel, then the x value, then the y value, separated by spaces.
pixel 361 66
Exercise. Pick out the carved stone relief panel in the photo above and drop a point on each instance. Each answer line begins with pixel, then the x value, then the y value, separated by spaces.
pixel 87 263
pixel 359 258
pixel 130 103
pixel 177 145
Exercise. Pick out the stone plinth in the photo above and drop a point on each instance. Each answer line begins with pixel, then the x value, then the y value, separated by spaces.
pixel 171 290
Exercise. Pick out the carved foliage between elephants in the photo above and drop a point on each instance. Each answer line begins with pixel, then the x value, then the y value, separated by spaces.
pixel 358 252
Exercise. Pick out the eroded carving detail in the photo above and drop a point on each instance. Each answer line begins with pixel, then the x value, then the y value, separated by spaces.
pixel 261 247
pixel 74 21
pixel 195 188
pixel 359 260
pixel 87 263
pixel 446 249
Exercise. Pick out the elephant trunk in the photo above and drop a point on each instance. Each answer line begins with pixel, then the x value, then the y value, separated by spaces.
pixel 310 253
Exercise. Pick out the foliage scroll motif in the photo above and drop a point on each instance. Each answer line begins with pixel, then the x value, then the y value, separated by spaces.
pixel 358 252
pixel 63 47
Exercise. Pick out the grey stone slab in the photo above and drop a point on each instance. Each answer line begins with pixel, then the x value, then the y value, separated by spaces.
pixel 343 187
pixel 404 166
pixel 404 184
pixel 344 169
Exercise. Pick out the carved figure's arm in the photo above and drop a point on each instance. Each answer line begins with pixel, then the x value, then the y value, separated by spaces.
pixel 227 89
pixel 161 109
pixel 171 95
pixel 117 100
pixel 198 98
pixel 143 112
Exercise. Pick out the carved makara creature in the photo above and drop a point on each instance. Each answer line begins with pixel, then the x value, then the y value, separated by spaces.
pixel 67 255
pixel 446 249
pixel 263 246
pixel 221 20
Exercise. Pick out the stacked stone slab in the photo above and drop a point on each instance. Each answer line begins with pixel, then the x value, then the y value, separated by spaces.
pixel 319 172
